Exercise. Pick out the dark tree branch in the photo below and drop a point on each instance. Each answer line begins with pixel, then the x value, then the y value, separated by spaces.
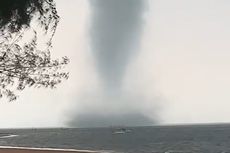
pixel 25 65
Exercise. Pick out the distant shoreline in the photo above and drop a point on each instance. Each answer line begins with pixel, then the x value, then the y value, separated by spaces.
pixel 118 126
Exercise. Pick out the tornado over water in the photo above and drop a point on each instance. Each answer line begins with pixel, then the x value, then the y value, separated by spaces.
pixel 115 35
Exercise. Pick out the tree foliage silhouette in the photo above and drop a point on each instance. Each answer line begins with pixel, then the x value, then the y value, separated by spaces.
pixel 22 63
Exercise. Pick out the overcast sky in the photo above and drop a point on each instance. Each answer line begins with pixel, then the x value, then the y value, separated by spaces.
pixel 179 74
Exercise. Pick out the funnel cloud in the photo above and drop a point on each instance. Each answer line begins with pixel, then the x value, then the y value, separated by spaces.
pixel 115 35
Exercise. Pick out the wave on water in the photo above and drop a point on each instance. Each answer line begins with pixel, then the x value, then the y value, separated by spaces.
pixel 46 149
pixel 8 136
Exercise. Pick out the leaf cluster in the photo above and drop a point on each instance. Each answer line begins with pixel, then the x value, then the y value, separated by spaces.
pixel 17 14
pixel 25 66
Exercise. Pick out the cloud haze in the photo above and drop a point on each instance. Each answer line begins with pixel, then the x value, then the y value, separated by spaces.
pixel 182 65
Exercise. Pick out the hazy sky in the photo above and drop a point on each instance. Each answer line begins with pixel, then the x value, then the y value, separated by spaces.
pixel 179 74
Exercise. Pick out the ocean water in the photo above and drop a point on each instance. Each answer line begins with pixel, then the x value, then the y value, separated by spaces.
pixel 157 139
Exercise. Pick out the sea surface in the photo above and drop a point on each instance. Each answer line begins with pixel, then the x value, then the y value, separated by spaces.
pixel 156 139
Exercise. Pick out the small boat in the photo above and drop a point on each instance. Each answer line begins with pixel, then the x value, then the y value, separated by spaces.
pixel 121 131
